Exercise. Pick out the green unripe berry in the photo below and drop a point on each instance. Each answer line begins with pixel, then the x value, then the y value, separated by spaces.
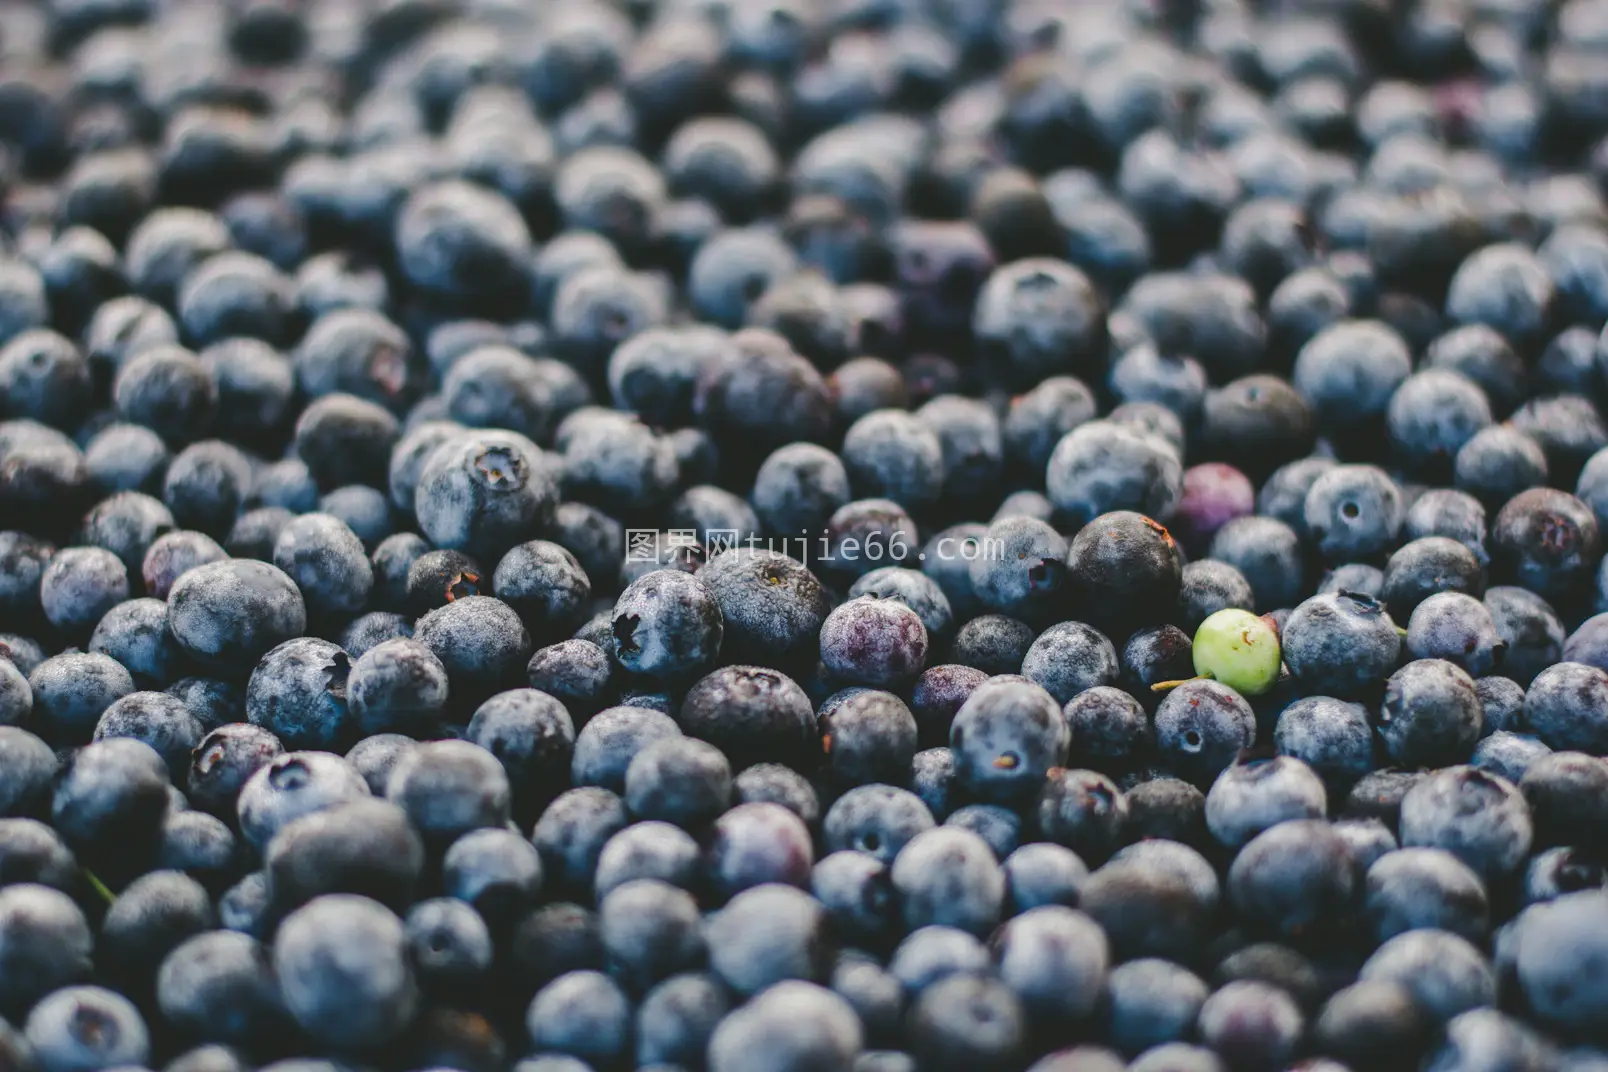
pixel 1239 649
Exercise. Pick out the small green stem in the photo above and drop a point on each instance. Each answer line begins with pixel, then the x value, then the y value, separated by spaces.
pixel 1168 686
pixel 99 887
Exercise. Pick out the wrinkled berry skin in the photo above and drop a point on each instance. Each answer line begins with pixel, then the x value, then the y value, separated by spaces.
pixel 666 624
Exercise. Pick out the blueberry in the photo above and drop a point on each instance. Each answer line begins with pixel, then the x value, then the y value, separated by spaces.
pixel 1200 727
pixel 676 1019
pixel 1529 627
pixel 478 493
pixel 220 986
pixel 1348 372
pixel 1333 737
pixel 45 378
pixel 449 944
pixel 612 739
pixel 299 691
pixel 1545 541
pixel 1561 707
pixel 481 642
pixel 173 554
pixel 201 846
pixel 1150 1002
pixel 1457 628
pixel 1100 467
pixel 79 586
pixel 1445 974
pixel 650 931
pixel 1251 1024
pixel 1038 317
pixel 1038 419
pixel 1415 888
pixel 679 780
pixel 993 644
pixel 1153 899
pixel 1070 658
pixel 495 870
pixel 938 694
pixel 1267 554
pixel 873 641
pixel 666 624
pixel 1340 644
pixel 794 1024
pixel 30 852
pixel 158 720
pixel 448 788
pixel 1425 567
pixel 1254 795
pixel 328 563
pixel 1568 429
pixel 1005 738
pixel 1506 287
pixel 877 820
pixel 127 458
pixel 29 767
pixel 757 843
pixel 797 489
pixel 648 850
pixel 291 785
pixel 150 918
pixel 346 1002
pixel 1372 1022
pixel 223 761
pixel 576 672
pixel 135 633
pixel 436 578
pixel 1452 514
pixel 572 831
pixel 228 614
pixel 752 714
pixel 867 736
pixel 364 510
pixel 1353 512
pixel 913 589
pixel 1055 959
pixel 397 684
pixel 87 1026
pixel 1432 415
pixel 1481 818
pixel 44 944
pixel 996 824
pixel 245 907
pixel 792 947
pixel 1168 808
pixel 763 394
pixel 967 1021
pixel 1503 702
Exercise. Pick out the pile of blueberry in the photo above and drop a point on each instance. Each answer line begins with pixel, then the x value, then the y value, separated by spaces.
pixel 803 535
